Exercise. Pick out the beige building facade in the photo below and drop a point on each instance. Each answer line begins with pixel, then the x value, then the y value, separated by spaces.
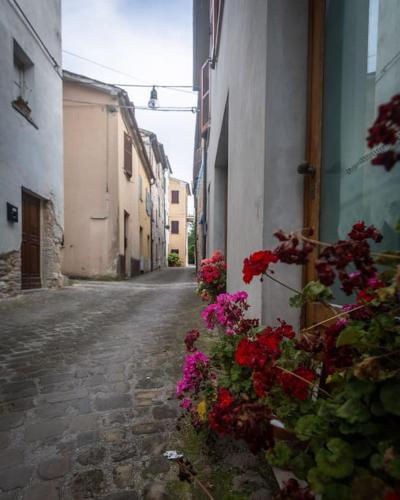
pixel 178 214
pixel 106 176
pixel 159 197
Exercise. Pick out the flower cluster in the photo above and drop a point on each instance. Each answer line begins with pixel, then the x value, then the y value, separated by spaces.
pixel 292 250
pixel 190 339
pixel 334 386
pixel 385 130
pixel 212 277
pixel 257 263
pixel 241 419
pixel 262 355
pixel 195 371
pixel 335 259
pixel 228 312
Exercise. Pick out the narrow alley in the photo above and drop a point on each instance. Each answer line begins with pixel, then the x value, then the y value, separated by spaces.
pixel 88 378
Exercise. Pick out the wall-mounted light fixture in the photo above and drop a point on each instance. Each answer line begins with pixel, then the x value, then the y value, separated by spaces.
pixel 153 101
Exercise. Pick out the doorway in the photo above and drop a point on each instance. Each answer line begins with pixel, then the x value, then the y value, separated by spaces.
pixel 126 259
pixel 221 188
pixel 30 247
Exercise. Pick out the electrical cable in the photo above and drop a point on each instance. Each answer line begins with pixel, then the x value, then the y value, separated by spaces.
pixel 192 109
pixel 146 83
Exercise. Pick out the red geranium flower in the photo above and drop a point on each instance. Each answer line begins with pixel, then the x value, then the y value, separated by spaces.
pixel 225 398
pixel 249 353
pixel 392 495
pixel 257 264
pixel 295 386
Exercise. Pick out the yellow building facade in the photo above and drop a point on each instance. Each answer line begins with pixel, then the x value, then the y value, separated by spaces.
pixel 178 214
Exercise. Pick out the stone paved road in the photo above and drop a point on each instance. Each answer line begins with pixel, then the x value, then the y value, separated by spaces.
pixel 87 377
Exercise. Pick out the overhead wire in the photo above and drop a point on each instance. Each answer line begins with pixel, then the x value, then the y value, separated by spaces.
pixel 191 109
pixel 145 83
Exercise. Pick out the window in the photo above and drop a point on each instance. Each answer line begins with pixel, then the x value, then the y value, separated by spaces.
pixel 175 250
pixel 205 117
pixel 216 7
pixel 149 205
pixel 175 227
pixel 140 187
pixel 174 196
pixel 23 81
pixel 127 155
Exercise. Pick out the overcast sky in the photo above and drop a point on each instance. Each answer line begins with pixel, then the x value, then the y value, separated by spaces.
pixel 150 40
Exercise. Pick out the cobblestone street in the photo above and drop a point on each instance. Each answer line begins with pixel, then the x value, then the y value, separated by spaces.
pixel 88 378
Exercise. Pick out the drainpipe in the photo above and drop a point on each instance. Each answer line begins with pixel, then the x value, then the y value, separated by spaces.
pixel 205 233
pixel 151 226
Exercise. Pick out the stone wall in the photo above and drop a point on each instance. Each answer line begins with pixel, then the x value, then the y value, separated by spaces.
pixel 52 241
pixel 10 273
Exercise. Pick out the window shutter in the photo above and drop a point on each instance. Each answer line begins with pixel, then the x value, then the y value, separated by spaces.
pixel 127 155
pixel 140 188
pixel 205 117
pixel 148 203
pixel 174 196
pixel 175 227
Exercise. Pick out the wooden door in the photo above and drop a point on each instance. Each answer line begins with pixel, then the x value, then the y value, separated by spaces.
pixel 126 236
pixel 30 248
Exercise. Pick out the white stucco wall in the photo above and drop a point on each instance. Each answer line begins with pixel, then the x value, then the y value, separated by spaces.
pixel 261 75
pixel 30 157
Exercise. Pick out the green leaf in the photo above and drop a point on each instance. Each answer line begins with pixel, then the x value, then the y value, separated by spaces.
pixel 310 426
pixel 370 428
pixel 393 467
pixel 389 396
pixel 350 335
pixel 336 460
pixel 314 291
pixel 279 455
pixel 354 411
pixel 358 388
pixel 377 409
pixel 301 464
pixel 367 487
pixel 376 461
pixel 316 479
pixel 336 491
pixel 361 449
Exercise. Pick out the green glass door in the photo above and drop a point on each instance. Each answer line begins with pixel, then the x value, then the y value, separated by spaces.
pixel 361 70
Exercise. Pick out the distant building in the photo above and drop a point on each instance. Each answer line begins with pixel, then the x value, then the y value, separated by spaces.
pixel 31 166
pixel 107 183
pixel 159 197
pixel 178 218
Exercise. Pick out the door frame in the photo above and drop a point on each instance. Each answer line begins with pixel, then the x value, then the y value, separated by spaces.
pixel 312 182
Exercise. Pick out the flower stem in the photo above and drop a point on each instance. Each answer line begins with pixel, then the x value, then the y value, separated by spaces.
pixel 282 283
pixel 324 244
pixel 196 480
pixel 344 313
